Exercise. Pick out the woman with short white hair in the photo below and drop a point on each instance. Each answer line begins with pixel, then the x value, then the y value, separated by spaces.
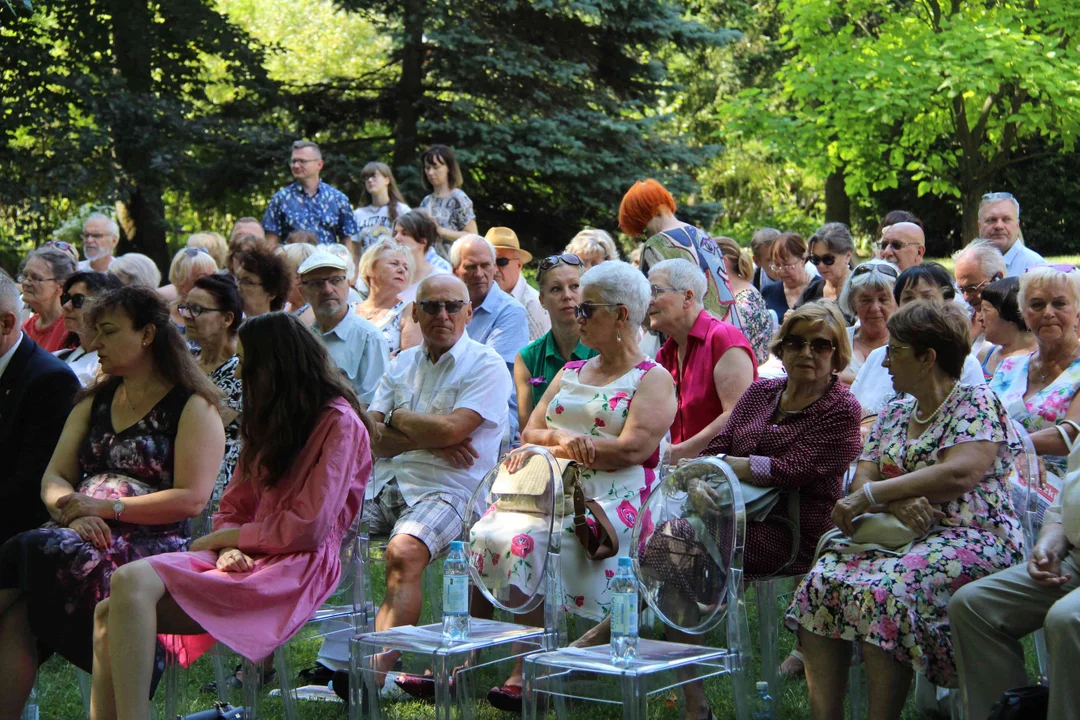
pixel 609 414
pixel 385 267
pixel 710 360
pixel 868 296
pixel 593 247
pixel 188 265
pixel 136 270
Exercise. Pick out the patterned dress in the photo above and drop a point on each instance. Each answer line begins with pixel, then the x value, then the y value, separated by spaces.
pixel 63 577
pixel 506 547
pixel 694 244
pixel 452 212
pixel 390 324
pixel 900 602
pixel 224 377
pixel 757 324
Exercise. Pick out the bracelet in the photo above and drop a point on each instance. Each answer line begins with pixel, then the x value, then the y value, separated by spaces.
pixel 869 495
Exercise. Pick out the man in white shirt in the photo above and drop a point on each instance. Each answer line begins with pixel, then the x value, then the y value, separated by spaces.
pixel 442 412
pixel 999 222
pixel 510 258
pixel 100 234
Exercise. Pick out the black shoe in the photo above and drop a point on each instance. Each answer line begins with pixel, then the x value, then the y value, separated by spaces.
pixel 317 675
pixel 341 684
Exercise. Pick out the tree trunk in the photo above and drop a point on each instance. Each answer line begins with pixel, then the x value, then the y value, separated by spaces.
pixel 971 192
pixel 140 194
pixel 410 88
pixel 837 202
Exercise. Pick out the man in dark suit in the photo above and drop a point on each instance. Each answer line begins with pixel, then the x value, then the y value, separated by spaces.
pixel 36 395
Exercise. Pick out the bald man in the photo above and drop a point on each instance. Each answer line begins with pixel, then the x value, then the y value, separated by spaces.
pixel 903 244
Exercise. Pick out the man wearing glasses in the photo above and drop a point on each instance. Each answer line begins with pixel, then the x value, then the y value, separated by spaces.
pixel 308 203
pixel 999 222
pixel 442 413
pixel 903 244
pixel 975 267
pixel 509 259
pixel 356 345
pixel 100 233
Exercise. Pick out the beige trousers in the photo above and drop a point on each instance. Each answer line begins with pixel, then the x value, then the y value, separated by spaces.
pixel 988 618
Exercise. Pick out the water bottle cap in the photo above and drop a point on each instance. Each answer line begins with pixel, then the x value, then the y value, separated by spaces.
pixel 763 686
pixel 625 562
pixel 456 545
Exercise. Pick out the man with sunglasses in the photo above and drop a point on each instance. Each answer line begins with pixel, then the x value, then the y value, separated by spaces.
pixel 442 412
pixel 356 345
pixel 37 391
pixel 903 244
pixel 100 234
pixel 999 222
pixel 509 259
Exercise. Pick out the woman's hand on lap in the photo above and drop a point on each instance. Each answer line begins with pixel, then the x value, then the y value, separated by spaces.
pixel 233 560
pixel 76 505
pixel 577 446
pixel 93 530
pixel 847 509
pixel 917 513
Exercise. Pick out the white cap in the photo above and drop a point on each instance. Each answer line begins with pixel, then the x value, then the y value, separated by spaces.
pixel 322 259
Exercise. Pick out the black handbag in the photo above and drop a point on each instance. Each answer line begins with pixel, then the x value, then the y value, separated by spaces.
pixel 220 711
pixel 1031 702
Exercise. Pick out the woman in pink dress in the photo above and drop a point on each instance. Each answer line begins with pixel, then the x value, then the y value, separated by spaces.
pixel 273 557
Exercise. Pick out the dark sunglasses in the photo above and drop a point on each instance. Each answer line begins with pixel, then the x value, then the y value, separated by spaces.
pixel 59 244
pixel 434 307
pixel 818 346
pixel 1060 267
pixel 194 252
pixel 553 260
pixel 876 267
pixel 586 310
pixel 77 300
pixel 502 262
pixel 826 259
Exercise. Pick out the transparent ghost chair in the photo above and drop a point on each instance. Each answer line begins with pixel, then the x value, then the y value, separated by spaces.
pixel 511 529
pixel 687 548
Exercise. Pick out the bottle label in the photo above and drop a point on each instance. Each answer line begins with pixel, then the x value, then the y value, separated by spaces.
pixel 624 614
pixel 456 594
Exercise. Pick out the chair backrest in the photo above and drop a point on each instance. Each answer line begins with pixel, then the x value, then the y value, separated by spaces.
pixel 1024 489
pixel 687 545
pixel 512 526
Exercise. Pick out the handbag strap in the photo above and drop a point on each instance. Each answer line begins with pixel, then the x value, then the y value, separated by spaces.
pixel 792 523
pixel 1069 442
pixel 604 543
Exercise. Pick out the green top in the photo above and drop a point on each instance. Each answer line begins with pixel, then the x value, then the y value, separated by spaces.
pixel 544 362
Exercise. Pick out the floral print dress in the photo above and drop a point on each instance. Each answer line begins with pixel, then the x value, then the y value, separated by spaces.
pixel 224 377
pixel 900 602
pixel 63 577
pixel 757 323
pixel 600 412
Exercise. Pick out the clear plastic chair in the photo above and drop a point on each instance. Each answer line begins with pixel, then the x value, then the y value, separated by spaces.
pixel 687 548
pixel 1026 499
pixel 514 519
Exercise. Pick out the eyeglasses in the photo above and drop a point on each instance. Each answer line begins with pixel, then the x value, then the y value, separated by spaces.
pixel 786 266
pixel 334 280
pixel 896 245
pixel 95 236
pixel 434 307
pixel 502 262
pixel 974 289
pixel 585 310
pixel 1060 267
pixel 552 260
pixel 194 252
pixel 827 260
pixel 876 267
pixel 194 311
pixel 994 196
pixel 818 346
pixel 299 161
pixel 890 347
pixel 77 300
pixel 657 290
pixel 58 244
pixel 31 280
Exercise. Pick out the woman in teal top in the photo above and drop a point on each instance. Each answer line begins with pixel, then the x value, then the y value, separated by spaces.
pixel 541 360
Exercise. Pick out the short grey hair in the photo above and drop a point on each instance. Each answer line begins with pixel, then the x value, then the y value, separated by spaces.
pixel 137 270
pixel 985 253
pixel 60 263
pixel 301 144
pixel 377 248
pixel 835 235
pixel 114 229
pixel 461 242
pixel 683 275
pixel 591 240
pixel 994 197
pixel 10 302
pixel 426 283
pixel 763 238
pixel 620 283
pixel 873 280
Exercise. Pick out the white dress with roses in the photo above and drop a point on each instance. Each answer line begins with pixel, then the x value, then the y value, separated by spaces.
pixel 600 412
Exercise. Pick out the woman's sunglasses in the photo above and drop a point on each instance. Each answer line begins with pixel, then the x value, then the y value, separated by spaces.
pixel 194 252
pixel 553 260
pixel 818 346
pixel 586 310
pixel 823 259
pixel 77 300
pixel 1060 267
pixel 58 244
pixel 876 267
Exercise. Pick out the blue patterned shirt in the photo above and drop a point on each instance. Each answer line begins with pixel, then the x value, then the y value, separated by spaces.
pixel 327 213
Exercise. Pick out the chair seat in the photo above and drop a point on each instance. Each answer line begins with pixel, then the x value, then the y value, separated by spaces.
pixel 429 638
pixel 652 656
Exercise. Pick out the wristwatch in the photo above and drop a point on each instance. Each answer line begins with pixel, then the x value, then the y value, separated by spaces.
pixel 389 418
pixel 117 507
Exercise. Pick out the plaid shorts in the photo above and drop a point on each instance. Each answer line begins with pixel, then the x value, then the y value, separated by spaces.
pixel 434 519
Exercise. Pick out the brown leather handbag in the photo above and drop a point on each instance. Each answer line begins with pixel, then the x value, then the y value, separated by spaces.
pixel 600 542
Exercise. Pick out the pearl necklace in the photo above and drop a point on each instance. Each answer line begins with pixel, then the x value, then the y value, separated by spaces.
pixel 933 415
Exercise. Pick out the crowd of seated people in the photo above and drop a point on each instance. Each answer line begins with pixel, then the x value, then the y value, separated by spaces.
pixel 329 363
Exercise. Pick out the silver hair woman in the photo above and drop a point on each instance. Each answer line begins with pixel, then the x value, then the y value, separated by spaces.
pixel 136 270
pixel 868 295
pixel 593 247
pixel 610 414
pixel 386 269
pixel 41 280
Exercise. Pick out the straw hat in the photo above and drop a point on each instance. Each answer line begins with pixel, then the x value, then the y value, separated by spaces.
pixel 504 237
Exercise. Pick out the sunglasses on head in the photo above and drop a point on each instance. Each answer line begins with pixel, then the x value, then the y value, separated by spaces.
pixel 818 346
pixel 59 244
pixel 553 260
pixel 586 310
pixel 876 267
pixel 194 252
pixel 1060 267
pixel 827 260
pixel 434 307
pixel 77 300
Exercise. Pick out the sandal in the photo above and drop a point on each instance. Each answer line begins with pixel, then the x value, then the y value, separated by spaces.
pixel 506 698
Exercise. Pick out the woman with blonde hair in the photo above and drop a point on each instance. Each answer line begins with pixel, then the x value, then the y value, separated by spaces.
pixel 593 247
pixel 213 243
pixel 386 269
pixel 757 324
pixel 136 270
pixel 188 265
pixel 294 254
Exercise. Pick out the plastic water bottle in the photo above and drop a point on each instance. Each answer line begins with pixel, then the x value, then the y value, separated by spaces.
pixel 763 706
pixel 455 624
pixel 624 614
pixel 30 710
